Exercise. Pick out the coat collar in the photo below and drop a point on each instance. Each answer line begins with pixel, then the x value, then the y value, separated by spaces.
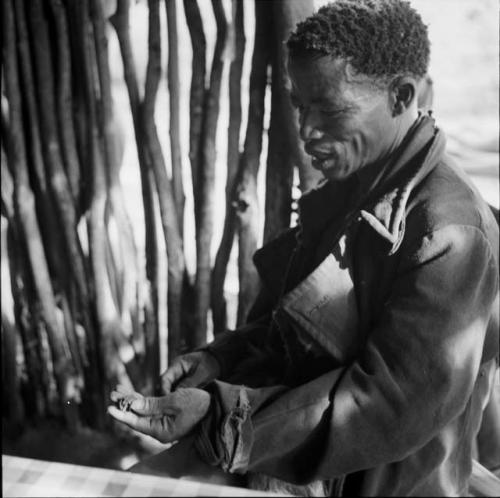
pixel 379 198
pixel 327 211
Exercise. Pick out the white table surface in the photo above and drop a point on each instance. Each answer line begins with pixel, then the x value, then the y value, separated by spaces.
pixel 23 477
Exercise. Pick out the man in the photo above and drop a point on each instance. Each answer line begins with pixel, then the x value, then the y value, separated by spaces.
pixel 371 351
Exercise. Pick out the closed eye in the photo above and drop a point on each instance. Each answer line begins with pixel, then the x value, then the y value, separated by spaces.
pixel 332 112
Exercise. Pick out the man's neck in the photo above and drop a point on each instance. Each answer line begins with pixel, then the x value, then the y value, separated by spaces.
pixel 371 173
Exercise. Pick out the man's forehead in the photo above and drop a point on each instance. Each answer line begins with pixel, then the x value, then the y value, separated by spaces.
pixel 322 78
pixel 326 77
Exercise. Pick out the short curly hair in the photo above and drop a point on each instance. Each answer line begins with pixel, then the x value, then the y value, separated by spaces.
pixel 380 38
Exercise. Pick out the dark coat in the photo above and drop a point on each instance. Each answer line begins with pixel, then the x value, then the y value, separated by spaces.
pixel 378 325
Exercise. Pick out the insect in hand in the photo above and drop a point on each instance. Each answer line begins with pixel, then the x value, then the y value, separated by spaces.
pixel 124 404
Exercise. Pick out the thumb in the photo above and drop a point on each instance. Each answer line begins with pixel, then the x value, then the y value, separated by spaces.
pixel 191 381
pixel 149 406
pixel 172 376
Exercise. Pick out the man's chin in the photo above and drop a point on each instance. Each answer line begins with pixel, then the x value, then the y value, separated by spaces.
pixel 335 176
pixel 331 169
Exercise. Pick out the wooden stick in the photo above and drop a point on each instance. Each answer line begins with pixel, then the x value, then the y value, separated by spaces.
pixel 197 93
pixel 50 226
pixel 285 151
pixel 108 126
pixel 113 266
pixel 279 171
pixel 218 303
pixel 174 92
pixel 84 349
pixel 79 113
pixel 7 188
pixel 173 240
pixel 107 316
pixel 13 405
pixel 51 146
pixel 120 21
pixel 73 343
pixel 287 13
pixel 24 206
pixel 206 181
pixel 36 392
pixel 245 197
pixel 26 72
pixel 235 72
pixel 65 99
pixel 23 294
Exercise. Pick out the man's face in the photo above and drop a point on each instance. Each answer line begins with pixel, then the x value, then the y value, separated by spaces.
pixel 345 122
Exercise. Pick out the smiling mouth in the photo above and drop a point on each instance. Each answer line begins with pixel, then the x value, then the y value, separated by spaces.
pixel 323 163
pixel 321 160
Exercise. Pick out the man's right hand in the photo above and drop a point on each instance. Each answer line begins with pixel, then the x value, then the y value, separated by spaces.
pixel 190 370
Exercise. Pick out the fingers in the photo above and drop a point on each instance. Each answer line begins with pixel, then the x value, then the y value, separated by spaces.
pixel 124 401
pixel 129 397
pixel 155 427
pixel 142 405
pixel 170 404
pixel 172 376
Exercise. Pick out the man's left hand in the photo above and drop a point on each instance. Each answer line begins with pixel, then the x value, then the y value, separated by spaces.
pixel 166 418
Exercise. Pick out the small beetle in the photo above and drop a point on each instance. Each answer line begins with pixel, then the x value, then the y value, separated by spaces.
pixel 124 404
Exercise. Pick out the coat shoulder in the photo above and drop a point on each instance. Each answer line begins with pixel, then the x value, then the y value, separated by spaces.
pixel 448 197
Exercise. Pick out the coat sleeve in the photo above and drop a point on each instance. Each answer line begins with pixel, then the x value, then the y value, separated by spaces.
pixel 254 344
pixel 415 373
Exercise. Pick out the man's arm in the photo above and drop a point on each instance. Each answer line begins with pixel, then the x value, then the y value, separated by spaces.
pixel 415 373
pixel 257 346
pixel 238 355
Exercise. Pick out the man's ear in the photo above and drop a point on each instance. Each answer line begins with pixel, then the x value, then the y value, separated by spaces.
pixel 402 94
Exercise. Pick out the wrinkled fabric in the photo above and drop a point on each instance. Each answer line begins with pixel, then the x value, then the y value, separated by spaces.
pixel 380 315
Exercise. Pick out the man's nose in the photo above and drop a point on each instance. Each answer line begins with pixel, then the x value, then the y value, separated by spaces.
pixel 310 127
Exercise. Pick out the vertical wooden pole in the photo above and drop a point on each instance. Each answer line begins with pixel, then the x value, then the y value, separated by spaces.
pixel 171 231
pixel 65 99
pixel 120 21
pixel 65 204
pixel 197 93
pixel 287 13
pixel 218 303
pixel 128 269
pixel 110 338
pixel 245 197
pixel 50 226
pixel 206 181
pixel 174 106
pixel 13 405
pixel 24 208
pixel 285 152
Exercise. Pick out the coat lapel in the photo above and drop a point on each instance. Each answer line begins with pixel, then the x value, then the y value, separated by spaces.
pixel 324 306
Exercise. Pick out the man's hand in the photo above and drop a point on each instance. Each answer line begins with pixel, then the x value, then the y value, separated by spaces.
pixel 166 418
pixel 190 370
